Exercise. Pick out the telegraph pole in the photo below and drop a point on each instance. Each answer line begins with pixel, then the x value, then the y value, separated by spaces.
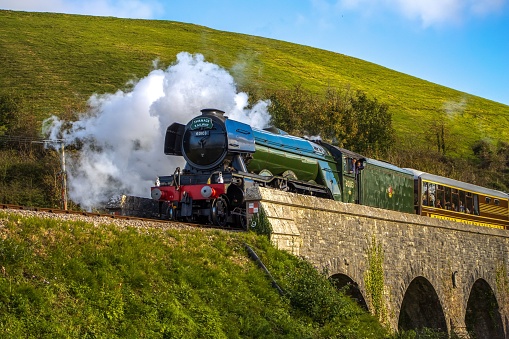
pixel 64 176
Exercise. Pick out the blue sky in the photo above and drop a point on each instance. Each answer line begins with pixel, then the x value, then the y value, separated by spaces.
pixel 461 44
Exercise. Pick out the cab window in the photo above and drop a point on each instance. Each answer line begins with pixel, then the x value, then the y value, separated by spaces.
pixel 349 165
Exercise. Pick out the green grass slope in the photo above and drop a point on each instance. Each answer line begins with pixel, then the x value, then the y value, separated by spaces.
pixel 56 61
pixel 62 279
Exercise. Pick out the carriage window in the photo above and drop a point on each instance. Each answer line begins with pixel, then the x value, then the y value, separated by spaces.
pixel 462 206
pixel 447 204
pixel 469 203
pixel 431 194
pixel 475 209
pixel 425 194
pixel 428 194
pixel 497 202
pixel 439 198
pixel 488 200
pixel 455 200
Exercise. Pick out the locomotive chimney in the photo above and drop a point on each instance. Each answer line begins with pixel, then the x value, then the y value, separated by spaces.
pixel 213 111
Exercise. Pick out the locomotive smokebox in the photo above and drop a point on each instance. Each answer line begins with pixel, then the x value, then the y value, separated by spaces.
pixel 207 140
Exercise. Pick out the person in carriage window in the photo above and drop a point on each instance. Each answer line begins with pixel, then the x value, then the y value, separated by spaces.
pixel 439 204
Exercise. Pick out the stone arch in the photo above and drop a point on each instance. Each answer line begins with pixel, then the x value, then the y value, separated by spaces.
pixel 482 317
pixel 351 288
pixel 421 308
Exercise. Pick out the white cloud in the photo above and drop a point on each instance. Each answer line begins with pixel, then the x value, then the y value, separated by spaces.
pixel 483 7
pixel 141 9
pixel 431 12
pixel 428 12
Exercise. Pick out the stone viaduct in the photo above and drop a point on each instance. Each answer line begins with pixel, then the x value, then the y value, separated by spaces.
pixel 409 271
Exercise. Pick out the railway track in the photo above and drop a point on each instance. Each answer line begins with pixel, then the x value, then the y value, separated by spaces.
pixel 71 213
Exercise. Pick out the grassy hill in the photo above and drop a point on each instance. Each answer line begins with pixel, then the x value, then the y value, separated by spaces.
pixel 54 62
pixel 74 279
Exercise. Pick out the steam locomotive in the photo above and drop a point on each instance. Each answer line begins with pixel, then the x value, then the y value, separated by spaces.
pixel 225 157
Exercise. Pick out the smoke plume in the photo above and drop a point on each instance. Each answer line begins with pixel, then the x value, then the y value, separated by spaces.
pixel 122 135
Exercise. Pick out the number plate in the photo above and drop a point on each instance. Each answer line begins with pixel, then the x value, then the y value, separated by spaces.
pixel 201 133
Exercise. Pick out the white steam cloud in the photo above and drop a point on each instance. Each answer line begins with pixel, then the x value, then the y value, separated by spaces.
pixel 122 136
pixel 453 108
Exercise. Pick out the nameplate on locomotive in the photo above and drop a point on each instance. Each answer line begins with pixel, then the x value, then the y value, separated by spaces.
pixel 201 123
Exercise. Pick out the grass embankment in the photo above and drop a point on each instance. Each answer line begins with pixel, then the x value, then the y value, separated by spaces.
pixel 76 280
pixel 54 62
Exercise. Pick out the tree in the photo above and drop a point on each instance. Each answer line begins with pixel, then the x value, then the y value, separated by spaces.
pixel 374 134
pixel 288 107
pixel 354 121
pixel 484 154
pixel 337 123
pixel 9 112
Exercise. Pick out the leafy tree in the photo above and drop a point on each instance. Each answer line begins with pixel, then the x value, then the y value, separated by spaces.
pixel 15 118
pixel 29 175
pixel 348 120
pixel 500 167
pixel 9 109
pixel 374 134
pixel 503 156
pixel 288 107
pixel 484 154
pixel 332 120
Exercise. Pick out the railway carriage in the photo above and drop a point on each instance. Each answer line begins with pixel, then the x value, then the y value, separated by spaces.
pixel 448 199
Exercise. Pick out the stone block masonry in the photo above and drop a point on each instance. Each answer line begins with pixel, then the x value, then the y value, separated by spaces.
pixel 438 267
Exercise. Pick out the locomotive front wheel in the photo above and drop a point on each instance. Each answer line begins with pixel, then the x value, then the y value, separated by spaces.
pixel 219 212
pixel 241 221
